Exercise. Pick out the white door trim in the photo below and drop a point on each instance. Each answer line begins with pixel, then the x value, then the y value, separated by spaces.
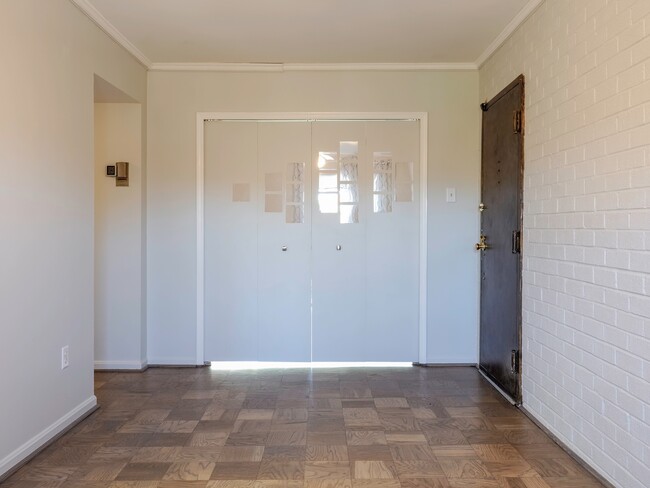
pixel 202 117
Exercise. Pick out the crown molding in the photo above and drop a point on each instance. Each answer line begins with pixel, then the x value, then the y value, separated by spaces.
pixel 512 26
pixel 282 67
pixel 102 22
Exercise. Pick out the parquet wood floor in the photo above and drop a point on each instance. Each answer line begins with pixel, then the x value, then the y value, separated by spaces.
pixel 336 428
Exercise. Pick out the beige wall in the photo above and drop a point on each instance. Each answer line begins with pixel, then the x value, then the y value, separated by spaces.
pixel 586 312
pixel 48 52
pixel 450 98
pixel 119 282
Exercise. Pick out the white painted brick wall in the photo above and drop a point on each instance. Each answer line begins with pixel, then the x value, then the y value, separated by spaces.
pixel 586 277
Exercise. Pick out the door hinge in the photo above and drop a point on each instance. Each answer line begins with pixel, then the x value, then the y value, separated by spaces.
pixel 514 361
pixel 516 242
pixel 516 121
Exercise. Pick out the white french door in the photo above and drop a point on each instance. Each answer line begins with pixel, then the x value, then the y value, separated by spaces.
pixel 311 240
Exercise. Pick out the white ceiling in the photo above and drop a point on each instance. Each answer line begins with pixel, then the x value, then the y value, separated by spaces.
pixel 308 31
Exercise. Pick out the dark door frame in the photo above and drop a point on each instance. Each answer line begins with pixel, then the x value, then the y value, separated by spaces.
pixel 520 80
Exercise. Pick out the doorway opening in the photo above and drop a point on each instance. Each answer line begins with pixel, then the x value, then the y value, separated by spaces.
pixel 119 282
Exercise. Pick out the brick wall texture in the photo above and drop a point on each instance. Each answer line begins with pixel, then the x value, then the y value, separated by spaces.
pixel 586 277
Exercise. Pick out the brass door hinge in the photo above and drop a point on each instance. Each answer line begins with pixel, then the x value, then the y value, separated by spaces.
pixel 514 362
pixel 516 121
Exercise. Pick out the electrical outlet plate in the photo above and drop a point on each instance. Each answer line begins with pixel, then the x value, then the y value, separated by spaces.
pixel 65 357
pixel 451 195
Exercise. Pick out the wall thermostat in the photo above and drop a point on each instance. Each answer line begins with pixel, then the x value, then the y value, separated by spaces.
pixel 110 170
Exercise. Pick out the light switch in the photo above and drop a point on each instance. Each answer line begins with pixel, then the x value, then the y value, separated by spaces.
pixel 451 195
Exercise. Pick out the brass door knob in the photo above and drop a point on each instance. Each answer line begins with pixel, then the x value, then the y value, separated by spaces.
pixel 482 245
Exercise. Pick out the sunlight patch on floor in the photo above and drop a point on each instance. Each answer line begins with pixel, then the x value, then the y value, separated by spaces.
pixel 255 365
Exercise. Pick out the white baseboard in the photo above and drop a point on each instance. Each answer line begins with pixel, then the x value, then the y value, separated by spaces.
pixel 39 440
pixel 134 365
pixel 451 360
pixel 172 361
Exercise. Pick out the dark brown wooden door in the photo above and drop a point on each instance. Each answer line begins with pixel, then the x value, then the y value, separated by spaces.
pixel 501 191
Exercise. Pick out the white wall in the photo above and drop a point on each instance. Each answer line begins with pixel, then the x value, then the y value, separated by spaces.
pixel 451 100
pixel 48 53
pixel 586 330
pixel 119 299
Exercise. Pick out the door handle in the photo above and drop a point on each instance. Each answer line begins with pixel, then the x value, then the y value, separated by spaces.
pixel 284 248
pixel 338 247
pixel 482 244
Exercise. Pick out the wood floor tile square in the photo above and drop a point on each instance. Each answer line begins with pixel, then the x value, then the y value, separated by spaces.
pixel 143 471
pixel 326 453
pixel 250 426
pixel 247 439
pixel 133 484
pixel 484 437
pixel 464 468
pixel 287 438
pixel 365 437
pixel 284 453
pixel 555 468
pixel 375 483
pixel 418 469
pixel 241 454
pixel 474 483
pixel 339 483
pixel 213 412
pixel 151 416
pixel 290 415
pixel 432 482
pixel 423 413
pixel 412 452
pixel 278 484
pixel 235 471
pixel 98 472
pixel 182 484
pixel 326 470
pixel 199 395
pixel 190 471
pixel 398 402
pixel 282 470
pixel 370 453
pixel 445 436
pixel 166 440
pixel 361 417
pixel 255 414
pixel 231 484
pixel 112 454
pixel 188 454
pixel 208 439
pixel 156 455
pixel 373 470
pixel 326 438
pixel 413 437
pixel 33 472
pixel 363 403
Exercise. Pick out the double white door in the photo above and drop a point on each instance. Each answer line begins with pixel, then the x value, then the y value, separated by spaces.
pixel 311 241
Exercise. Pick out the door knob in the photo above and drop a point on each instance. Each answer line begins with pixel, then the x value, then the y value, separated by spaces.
pixel 338 248
pixel 284 248
pixel 482 245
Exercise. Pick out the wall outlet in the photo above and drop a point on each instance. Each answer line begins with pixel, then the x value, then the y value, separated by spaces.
pixel 65 357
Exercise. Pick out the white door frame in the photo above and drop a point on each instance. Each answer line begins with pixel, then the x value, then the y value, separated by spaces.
pixel 202 117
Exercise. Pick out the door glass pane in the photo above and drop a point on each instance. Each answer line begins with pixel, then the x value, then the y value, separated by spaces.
pixel 349 214
pixel 328 161
pixel 328 203
pixel 349 193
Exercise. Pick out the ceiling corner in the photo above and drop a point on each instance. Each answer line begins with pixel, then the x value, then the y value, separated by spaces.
pixel 95 15
pixel 512 26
